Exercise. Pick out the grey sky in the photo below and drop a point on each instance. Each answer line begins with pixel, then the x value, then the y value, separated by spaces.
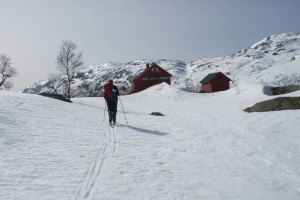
pixel 31 31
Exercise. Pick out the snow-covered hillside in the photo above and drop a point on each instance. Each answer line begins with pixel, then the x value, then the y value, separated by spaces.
pixel 205 147
pixel 90 81
pixel 274 60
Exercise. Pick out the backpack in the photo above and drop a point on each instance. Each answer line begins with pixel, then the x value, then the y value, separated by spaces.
pixel 115 93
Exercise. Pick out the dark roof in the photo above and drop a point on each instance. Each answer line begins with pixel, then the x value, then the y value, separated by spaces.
pixel 209 77
pixel 150 68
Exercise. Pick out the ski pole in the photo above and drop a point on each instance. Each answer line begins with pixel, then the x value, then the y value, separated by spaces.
pixel 104 110
pixel 123 110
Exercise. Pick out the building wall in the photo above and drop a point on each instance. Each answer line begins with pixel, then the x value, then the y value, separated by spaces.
pixel 215 86
pixel 220 85
pixel 140 84
pixel 206 87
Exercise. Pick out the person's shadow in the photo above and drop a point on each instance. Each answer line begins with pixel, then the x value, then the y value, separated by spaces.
pixel 156 132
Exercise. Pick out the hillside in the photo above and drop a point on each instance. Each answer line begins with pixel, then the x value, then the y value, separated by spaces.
pixel 272 61
pixel 205 147
pixel 90 81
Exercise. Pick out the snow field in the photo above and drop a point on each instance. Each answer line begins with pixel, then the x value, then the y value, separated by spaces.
pixel 205 147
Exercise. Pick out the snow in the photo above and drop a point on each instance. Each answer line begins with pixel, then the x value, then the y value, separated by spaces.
pixel 257 63
pixel 205 147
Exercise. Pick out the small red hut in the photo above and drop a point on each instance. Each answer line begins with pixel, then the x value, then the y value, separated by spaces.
pixel 152 75
pixel 215 82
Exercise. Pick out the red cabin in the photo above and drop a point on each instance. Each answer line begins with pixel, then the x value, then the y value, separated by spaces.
pixel 152 75
pixel 215 82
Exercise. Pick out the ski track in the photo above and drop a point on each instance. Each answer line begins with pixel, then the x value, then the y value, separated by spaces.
pixel 114 140
pixel 92 176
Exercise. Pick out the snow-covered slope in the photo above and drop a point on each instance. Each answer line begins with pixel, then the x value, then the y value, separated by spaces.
pixel 272 61
pixel 205 147
pixel 90 81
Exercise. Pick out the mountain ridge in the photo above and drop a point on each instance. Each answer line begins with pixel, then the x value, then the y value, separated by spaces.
pixel 270 61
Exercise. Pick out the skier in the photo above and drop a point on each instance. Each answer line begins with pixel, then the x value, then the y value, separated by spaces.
pixel 111 94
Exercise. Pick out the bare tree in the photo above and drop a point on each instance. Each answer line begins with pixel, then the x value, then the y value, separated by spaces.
pixel 54 82
pixel 68 63
pixel 6 72
pixel 236 84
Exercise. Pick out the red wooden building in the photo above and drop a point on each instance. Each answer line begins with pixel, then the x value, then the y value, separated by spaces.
pixel 215 82
pixel 152 75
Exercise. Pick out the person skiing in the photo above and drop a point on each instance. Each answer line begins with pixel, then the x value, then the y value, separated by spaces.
pixel 111 94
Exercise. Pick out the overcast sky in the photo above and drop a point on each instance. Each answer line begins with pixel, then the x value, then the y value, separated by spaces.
pixel 32 31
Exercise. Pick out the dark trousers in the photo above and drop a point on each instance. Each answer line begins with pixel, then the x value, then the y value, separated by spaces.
pixel 112 109
pixel 112 116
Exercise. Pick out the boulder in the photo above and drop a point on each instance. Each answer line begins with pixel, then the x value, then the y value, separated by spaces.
pixel 280 103
pixel 285 89
pixel 156 114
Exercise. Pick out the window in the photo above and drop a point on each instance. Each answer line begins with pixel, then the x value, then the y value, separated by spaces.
pixel 155 70
pixel 152 78
pixel 163 78
pixel 145 79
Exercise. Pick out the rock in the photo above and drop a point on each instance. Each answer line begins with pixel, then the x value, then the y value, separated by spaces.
pixel 156 114
pixel 56 96
pixel 280 103
pixel 285 89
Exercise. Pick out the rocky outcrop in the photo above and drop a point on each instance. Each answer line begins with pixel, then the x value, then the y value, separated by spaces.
pixel 285 89
pixel 56 96
pixel 280 103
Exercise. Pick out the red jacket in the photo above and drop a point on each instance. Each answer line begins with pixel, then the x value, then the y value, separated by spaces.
pixel 108 87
